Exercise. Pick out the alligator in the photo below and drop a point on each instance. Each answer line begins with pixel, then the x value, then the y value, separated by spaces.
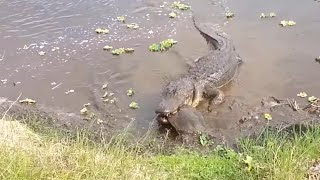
pixel 203 80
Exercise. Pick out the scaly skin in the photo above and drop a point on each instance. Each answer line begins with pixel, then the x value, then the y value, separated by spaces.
pixel 204 79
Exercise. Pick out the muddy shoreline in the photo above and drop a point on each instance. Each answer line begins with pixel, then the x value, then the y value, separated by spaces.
pixel 251 122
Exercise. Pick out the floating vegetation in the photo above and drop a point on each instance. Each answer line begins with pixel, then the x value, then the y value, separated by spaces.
pixel 4 81
pixel 180 6
pixel 41 53
pixel 107 94
pixel 270 15
pixel 99 121
pixel 121 19
pixel 129 50
pixel 27 101
pixel 287 23
pixel 229 15
pixel 122 51
pixel 87 105
pixel 102 31
pixel 118 51
pixel 104 86
pixel 107 48
pixel 133 26
pixel 54 49
pixel 130 92
pixel 172 15
pixel 70 91
pixel 162 46
pixel 134 105
pixel 113 100
pixel 312 99
pixel 302 94
pixel 84 111
pixel 267 116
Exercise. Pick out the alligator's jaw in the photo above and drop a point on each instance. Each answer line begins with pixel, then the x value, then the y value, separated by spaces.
pixel 164 118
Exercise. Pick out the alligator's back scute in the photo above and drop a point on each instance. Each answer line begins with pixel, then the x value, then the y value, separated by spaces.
pixel 220 65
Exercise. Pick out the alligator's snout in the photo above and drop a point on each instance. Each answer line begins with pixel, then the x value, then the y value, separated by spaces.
pixel 166 109
pixel 167 106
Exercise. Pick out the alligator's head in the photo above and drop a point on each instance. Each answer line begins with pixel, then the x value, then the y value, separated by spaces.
pixel 175 95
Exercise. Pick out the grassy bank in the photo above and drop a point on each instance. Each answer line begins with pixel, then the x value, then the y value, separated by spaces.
pixel 26 154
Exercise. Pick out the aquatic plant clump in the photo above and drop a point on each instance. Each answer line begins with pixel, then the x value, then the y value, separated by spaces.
pixel 162 46
pixel 102 31
pixel 285 23
pixel 180 6
pixel 122 51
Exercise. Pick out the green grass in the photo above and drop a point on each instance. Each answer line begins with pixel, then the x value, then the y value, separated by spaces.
pixel 27 154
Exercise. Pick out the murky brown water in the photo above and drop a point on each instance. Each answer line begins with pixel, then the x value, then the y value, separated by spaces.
pixel 278 61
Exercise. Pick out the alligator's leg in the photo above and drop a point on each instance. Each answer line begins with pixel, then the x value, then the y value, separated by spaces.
pixel 216 96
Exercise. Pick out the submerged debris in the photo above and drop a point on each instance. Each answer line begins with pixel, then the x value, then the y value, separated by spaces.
pixel 162 46
pixel 287 23
pixel 313 108
pixel 180 6
pixel 27 101
pixel 293 104
pixel 102 31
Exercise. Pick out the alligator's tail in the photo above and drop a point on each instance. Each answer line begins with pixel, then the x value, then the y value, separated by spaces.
pixel 214 37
